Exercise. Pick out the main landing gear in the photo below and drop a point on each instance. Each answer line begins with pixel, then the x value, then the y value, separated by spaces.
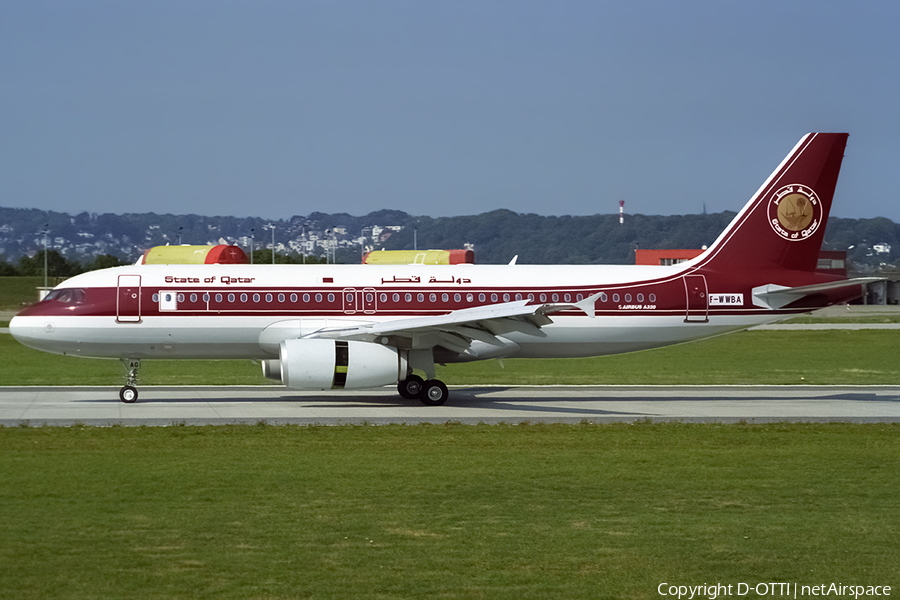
pixel 129 394
pixel 431 393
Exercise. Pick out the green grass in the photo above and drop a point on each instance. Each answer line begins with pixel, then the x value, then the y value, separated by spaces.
pixel 752 357
pixel 15 292
pixel 24 366
pixel 873 318
pixel 540 511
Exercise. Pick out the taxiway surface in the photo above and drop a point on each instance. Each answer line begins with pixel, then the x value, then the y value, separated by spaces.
pixel 164 406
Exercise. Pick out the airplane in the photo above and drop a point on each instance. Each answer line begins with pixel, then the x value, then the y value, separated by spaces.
pixel 320 327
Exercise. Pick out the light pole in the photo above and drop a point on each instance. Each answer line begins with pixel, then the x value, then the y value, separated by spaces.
pixel 46 233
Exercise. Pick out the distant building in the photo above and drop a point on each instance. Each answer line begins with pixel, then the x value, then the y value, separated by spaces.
pixel 664 257
pixel 831 262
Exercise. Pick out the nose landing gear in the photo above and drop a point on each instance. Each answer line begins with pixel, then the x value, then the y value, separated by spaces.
pixel 129 394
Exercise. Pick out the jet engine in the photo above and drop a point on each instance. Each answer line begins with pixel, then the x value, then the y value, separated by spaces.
pixel 320 364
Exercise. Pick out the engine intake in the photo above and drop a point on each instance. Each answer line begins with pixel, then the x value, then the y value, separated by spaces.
pixel 319 364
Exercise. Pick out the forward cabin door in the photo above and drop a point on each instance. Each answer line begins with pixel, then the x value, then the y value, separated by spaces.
pixel 128 299
pixel 697 299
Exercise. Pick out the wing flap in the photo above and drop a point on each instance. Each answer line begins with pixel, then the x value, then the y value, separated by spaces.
pixel 456 330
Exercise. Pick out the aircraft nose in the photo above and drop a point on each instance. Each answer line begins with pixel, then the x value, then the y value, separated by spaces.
pixel 31 332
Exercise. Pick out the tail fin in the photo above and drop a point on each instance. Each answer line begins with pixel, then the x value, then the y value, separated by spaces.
pixel 784 223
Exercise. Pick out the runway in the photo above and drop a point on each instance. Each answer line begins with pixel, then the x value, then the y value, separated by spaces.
pixel 194 405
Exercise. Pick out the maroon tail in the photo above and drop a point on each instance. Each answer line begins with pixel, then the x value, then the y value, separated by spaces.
pixel 784 223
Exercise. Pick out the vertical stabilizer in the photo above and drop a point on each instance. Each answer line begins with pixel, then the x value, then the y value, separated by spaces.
pixel 784 223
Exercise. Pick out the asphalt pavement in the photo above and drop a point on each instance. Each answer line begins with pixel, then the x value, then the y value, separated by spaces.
pixel 216 405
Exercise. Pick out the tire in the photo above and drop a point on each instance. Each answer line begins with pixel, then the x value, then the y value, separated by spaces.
pixel 411 387
pixel 434 393
pixel 128 394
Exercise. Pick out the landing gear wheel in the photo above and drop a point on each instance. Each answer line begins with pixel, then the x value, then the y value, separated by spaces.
pixel 434 393
pixel 410 387
pixel 128 394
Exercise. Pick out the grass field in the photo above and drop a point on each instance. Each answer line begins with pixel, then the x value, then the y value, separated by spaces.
pixel 18 291
pixel 760 357
pixel 519 512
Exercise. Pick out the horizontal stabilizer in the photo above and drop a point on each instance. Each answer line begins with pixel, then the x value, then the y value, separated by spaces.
pixel 777 296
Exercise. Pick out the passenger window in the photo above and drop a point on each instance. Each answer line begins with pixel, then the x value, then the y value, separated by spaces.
pixel 627 297
pixel 370 297
pixel 396 297
pixel 640 297
pixel 506 297
pixel 579 297
pixel 481 297
pixel 331 297
pixel 306 297
pixel 543 297
pixel 384 297
pixel 318 297
pixel 155 298
pixel 555 297
pixel 615 297
pixel 518 296
pixel 293 297
pixel 268 297
pixel 230 297
pixel 457 297
pixel 493 297
pixel 420 297
pixel 218 297
pixel 432 297
pixel 567 297
pixel 243 297
pixel 470 297
pixel 445 297
pixel 281 297
pixel 531 297
pixel 205 298
pixel 408 297
pixel 193 297
pixel 603 297
pixel 652 297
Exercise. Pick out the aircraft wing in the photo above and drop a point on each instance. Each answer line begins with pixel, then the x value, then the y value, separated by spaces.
pixel 775 296
pixel 459 329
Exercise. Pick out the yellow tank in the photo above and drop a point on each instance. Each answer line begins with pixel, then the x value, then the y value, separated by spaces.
pixel 419 257
pixel 195 255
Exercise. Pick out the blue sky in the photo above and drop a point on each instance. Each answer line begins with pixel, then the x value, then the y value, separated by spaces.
pixel 272 109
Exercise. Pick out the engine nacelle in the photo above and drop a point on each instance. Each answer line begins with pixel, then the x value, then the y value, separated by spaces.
pixel 320 364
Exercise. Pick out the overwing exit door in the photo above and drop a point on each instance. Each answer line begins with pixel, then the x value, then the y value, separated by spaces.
pixel 128 299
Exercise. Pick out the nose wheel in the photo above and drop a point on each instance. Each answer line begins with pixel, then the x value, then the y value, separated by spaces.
pixel 129 394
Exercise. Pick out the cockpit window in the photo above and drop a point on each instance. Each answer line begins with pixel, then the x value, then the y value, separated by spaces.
pixel 67 295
